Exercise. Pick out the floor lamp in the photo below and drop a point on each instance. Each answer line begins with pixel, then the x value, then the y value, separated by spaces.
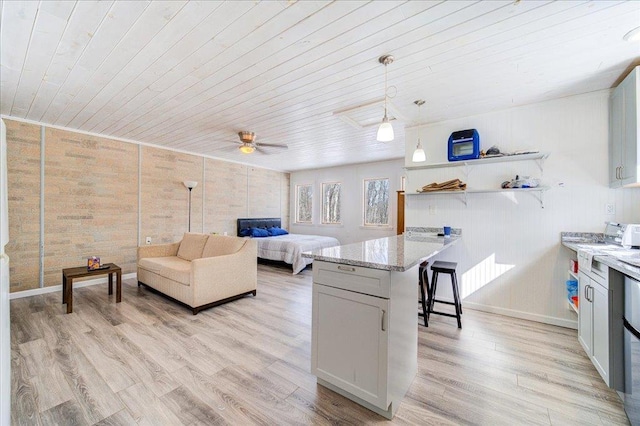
pixel 190 184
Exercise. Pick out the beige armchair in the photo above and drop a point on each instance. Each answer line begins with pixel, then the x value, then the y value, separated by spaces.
pixel 200 271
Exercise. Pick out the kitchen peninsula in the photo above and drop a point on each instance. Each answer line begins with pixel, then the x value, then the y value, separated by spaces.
pixel 364 338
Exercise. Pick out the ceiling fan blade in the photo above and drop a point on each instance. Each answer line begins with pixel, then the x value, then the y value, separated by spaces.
pixel 272 145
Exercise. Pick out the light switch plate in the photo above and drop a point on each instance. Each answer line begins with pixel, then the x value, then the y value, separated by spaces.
pixel 610 208
pixel 148 240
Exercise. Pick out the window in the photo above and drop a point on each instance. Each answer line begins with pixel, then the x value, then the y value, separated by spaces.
pixel 376 202
pixel 331 202
pixel 304 203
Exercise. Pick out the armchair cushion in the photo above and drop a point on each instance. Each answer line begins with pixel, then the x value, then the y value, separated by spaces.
pixel 191 246
pixel 220 245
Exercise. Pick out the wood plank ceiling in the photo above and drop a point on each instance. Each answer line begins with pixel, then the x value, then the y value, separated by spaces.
pixel 190 74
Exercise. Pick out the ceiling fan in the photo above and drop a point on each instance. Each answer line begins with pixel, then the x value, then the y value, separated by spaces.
pixel 248 144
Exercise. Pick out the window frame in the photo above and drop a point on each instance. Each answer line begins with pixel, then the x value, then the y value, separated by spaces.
pixel 322 186
pixel 297 218
pixel 365 204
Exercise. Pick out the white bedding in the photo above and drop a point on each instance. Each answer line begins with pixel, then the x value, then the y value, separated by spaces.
pixel 288 248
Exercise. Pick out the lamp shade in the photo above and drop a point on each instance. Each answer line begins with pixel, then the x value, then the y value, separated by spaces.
pixel 419 156
pixel 190 184
pixel 385 131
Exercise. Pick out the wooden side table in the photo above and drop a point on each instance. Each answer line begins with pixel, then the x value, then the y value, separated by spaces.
pixel 69 274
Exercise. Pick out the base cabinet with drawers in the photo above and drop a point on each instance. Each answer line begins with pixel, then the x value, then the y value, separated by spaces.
pixel 364 333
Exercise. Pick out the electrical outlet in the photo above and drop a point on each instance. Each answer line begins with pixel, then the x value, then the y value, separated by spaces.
pixel 432 210
pixel 148 240
pixel 610 208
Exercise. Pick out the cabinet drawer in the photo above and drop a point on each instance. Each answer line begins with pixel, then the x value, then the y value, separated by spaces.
pixel 353 278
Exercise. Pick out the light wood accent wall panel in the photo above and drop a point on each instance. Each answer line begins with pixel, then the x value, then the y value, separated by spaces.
pixel 91 202
pixel 225 195
pixel 264 193
pixel 165 199
pixel 23 173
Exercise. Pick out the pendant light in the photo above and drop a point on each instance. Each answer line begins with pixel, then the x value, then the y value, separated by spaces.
pixel 418 155
pixel 385 131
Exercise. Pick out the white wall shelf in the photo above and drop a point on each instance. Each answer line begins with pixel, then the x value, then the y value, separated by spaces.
pixel 538 157
pixel 536 192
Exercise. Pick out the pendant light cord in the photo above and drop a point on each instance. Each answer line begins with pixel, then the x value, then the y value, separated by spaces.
pixel 385 90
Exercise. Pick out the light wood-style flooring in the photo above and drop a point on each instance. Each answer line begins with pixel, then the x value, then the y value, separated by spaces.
pixel 149 361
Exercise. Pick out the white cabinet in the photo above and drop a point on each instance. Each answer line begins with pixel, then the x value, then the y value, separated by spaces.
pixel 624 132
pixel 364 333
pixel 594 311
pixel 351 342
pixel 585 313
pixel 601 314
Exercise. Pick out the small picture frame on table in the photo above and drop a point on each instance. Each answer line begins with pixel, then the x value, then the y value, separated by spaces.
pixel 93 262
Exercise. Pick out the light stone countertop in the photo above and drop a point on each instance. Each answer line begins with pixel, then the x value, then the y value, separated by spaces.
pixel 397 253
pixel 608 259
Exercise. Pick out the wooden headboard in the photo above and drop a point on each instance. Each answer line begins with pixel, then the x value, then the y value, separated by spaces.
pixel 264 222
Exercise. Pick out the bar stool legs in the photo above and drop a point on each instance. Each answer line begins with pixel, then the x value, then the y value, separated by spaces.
pixel 423 283
pixel 448 268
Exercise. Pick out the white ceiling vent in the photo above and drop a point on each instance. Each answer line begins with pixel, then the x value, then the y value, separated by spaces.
pixel 368 114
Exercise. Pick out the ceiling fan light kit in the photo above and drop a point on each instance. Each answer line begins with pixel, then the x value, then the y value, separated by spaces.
pixel 248 143
pixel 419 155
pixel 385 131
pixel 246 148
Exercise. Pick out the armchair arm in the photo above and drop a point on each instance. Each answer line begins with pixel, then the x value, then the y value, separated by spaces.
pixel 158 250
pixel 219 277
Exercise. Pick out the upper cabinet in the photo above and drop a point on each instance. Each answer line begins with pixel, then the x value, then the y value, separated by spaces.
pixel 624 132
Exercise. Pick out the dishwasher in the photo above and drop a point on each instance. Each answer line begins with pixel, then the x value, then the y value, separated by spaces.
pixel 631 395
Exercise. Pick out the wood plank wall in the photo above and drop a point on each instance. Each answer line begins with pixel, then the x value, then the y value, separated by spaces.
pixel 91 192
pixel 165 199
pixel 91 202
pixel 226 195
pixel 23 175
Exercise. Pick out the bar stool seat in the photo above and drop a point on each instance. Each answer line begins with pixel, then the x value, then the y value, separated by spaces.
pixel 448 268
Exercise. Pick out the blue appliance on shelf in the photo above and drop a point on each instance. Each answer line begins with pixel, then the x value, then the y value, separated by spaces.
pixel 464 145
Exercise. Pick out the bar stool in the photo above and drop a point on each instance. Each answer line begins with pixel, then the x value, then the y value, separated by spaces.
pixel 448 268
pixel 423 284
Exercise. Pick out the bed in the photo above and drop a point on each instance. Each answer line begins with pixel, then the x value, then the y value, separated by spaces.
pixel 285 248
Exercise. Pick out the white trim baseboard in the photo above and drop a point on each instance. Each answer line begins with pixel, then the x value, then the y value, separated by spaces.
pixel 561 322
pixel 55 288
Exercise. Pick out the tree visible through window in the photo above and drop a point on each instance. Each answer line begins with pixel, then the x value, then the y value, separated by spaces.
pixel 331 202
pixel 304 203
pixel 376 202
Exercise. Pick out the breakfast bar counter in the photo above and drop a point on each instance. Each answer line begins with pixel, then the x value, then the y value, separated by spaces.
pixel 364 336
pixel 397 253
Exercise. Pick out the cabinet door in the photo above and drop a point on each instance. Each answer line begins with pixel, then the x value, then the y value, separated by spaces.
pixel 616 136
pixel 601 330
pixel 349 345
pixel 585 314
pixel 629 160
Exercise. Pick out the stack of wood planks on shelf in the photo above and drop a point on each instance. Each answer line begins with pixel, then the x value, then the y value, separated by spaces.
pixel 450 185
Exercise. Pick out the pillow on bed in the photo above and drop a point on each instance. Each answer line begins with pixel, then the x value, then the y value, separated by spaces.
pixel 274 231
pixel 259 232
pixel 245 232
